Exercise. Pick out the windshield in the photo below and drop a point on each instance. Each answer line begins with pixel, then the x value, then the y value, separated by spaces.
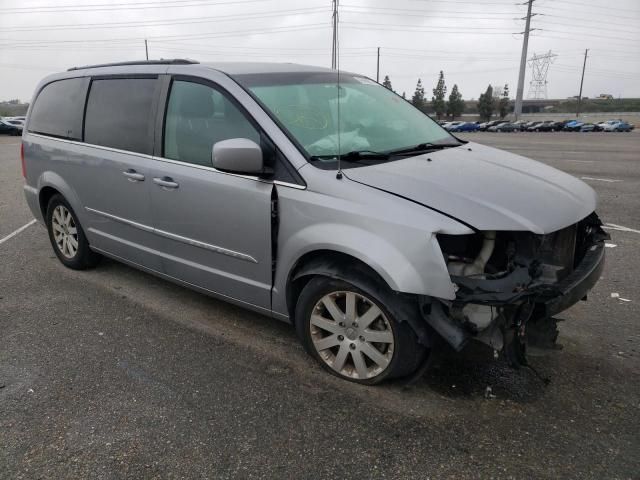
pixel 372 118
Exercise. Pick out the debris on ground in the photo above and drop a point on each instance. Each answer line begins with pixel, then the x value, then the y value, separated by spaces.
pixel 617 295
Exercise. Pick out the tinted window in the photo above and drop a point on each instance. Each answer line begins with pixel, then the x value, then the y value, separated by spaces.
pixel 197 117
pixel 58 109
pixel 120 114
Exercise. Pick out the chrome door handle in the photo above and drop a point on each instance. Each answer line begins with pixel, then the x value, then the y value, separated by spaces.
pixel 133 176
pixel 165 182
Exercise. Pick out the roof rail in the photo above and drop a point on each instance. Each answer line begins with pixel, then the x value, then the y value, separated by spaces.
pixel 162 61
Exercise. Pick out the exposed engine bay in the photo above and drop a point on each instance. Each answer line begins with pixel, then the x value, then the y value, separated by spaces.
pixel 510 284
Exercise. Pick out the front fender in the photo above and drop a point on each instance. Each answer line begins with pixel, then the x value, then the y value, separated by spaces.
pixel 379 254
pixel 406 262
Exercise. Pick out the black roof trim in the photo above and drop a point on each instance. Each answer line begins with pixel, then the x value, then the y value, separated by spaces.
pixel 162 61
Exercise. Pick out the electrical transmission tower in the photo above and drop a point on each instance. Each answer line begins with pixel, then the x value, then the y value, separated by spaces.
pixel 539 69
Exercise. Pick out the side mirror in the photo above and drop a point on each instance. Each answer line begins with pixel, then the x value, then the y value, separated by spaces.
pixel 238 155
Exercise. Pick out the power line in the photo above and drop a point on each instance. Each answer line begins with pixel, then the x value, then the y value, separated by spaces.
pixel 432 29
pixel 572 11
pixel 608 7
pixel 590 28
pixel 123 6
pixel 370 10
pixel 129 40
pixel 573 19
pixel 177 21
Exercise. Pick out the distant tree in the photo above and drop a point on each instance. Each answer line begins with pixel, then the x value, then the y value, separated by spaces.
pixel 455 105
pixel 404 95
pixel 387 83
pixel 438 102
pixel 418 96
pixel 503 104
pixel 486 104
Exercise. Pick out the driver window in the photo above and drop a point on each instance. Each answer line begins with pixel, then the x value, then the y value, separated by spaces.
pixel 197 117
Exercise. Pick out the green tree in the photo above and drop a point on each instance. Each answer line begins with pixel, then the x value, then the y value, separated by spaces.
pixel 455 105
pixel 503 104
pixel 387 83
pixel 418 96
pixel 438 102
pixel 486 104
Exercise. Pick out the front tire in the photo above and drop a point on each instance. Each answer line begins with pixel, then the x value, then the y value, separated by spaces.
pixel 67 237
pixel 353 334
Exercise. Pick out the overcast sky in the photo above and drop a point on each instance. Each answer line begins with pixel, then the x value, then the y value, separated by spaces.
pixel 474 42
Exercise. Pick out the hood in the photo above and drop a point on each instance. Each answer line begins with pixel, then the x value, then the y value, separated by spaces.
pixel 486 188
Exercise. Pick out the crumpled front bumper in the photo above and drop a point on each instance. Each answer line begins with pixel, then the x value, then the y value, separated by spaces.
pixel 519 285
pixel 575 286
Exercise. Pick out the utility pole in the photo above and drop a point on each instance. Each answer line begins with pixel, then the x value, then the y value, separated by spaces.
pixel 334 46
pixel 584 65
pixel 146 48
pixel 378 67
pixel 523 62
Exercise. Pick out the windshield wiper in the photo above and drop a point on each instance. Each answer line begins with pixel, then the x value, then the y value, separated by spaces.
pixel 360 155
pixel 422 147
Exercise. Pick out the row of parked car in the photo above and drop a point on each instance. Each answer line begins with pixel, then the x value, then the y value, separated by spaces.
pixel 538 126
pixel 11 125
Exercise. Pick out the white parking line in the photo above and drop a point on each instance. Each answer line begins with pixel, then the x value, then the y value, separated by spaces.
pixel 613 226
pixel 16 232
pixel 609 180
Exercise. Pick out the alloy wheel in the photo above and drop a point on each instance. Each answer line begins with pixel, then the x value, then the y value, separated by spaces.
pixel 352 335
pixel 65 231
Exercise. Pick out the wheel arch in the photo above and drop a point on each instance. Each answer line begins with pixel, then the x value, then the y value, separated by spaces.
pixel 328 263
pixel 44 196
pixel 50 183
pixel 345 267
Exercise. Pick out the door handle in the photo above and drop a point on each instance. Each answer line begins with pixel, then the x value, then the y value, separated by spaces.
pixel 133 176
pixel 166 183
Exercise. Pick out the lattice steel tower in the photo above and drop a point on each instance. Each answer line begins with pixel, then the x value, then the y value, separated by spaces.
pixel 539 69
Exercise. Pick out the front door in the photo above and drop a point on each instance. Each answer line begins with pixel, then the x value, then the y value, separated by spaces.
pixel 215 227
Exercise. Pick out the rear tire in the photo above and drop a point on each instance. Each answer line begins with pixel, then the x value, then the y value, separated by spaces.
pixel 67 236
pixel 352 333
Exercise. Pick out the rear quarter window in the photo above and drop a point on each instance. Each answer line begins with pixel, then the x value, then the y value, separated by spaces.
pixel 120 114
pixel 57 110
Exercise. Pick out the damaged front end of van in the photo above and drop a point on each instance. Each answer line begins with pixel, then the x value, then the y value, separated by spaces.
pixel 510 284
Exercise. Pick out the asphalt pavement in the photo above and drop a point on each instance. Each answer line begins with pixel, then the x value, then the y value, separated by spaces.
pixel 113 373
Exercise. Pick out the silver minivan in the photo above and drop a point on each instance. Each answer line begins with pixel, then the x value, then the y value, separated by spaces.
pixel 320 199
